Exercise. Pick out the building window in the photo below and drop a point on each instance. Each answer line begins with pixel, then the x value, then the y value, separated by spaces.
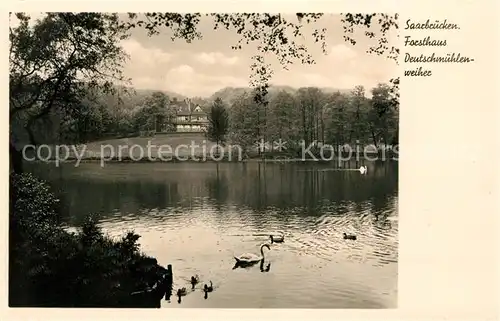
pixel 186 118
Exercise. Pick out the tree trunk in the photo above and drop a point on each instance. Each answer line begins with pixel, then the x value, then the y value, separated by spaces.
pixel 16 159
pixel 304 132
pixel 372 130
pixel 322 129
pixel 31 135
pixel 395 139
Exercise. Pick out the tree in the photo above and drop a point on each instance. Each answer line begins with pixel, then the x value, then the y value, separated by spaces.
pixel 218 122
pixel 243 121
pixel 383 119
pixel 49 68
pixel 154 114
pixel 386 23
pixel 394 101
pixel 81 124
pixel 311 102
pixel 52 267
pixel 359 105
pixel 337 121
pixel 283 124
pixel 55 61
pixel 272 34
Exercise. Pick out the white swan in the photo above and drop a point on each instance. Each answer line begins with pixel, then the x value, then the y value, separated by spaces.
pixel 250 258
pixel 277 238
pixel 363 169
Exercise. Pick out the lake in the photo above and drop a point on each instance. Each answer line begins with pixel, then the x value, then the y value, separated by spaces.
pixel 198 216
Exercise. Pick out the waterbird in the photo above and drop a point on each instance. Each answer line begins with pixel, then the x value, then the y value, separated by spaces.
pixel 248 258
pixel 277 238
pixel 363 170
pixel 194 280
pixel 268 267
pixel 181 292
pixel 207 288
pixel 349 237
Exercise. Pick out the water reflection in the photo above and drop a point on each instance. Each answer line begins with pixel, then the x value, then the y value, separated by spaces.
pixel 267 268
pixel 198 216
pixel 180 293
pixel 257 186
pixel 217 188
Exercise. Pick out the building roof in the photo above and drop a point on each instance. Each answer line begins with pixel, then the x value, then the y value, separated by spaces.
pixel 198 110
pixel 186 107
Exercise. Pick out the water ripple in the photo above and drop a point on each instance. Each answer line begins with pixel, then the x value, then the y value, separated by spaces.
pixel 198 222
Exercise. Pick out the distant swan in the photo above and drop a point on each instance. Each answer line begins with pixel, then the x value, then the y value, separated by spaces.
pixel 277 238
pixel 349 237
pixel 363 169
pixel 250 258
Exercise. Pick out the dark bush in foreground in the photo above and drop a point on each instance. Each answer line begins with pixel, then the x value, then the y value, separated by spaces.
pixel 51 267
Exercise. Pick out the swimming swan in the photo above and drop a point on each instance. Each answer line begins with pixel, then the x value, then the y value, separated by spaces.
pixel 268 267
pixel 349 237
pixel 277 238
pixel 250 258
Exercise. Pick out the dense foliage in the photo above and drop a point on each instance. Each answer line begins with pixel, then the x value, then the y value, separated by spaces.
pixel 311 115
pixel 273 35
pixel 63 67
pixel 64 72
pixel 50 266
pixel 218 119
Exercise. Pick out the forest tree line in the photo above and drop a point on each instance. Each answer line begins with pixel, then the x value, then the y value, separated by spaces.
pixel 310 115
pixel 307 114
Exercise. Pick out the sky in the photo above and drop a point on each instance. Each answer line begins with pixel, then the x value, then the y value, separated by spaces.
pixel 207 65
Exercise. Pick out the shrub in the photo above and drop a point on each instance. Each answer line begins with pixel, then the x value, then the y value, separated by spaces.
pixel 31 198
pixel 51 267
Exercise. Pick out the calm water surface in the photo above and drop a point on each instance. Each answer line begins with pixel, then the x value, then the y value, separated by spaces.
pixel 198 216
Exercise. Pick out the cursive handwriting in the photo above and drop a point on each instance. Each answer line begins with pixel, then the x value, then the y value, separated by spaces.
pixel 450 57
pixel 427 41
pixel 431 25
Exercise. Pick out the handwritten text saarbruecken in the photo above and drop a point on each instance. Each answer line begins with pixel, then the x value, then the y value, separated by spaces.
pixel 430 41
pixel 443 25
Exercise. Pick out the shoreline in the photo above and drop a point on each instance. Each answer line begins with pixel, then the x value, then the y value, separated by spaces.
pixel 128 160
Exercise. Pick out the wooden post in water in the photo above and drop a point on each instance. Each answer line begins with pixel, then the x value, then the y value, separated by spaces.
pixel 169 277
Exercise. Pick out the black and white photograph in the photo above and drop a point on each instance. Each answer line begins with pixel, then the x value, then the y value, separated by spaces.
pixel 203 160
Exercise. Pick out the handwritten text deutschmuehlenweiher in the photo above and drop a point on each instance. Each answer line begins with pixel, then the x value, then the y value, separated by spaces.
pixel 448 58
pixel 430 41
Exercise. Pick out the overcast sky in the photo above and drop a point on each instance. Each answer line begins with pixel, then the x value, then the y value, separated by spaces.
pixel 209 64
